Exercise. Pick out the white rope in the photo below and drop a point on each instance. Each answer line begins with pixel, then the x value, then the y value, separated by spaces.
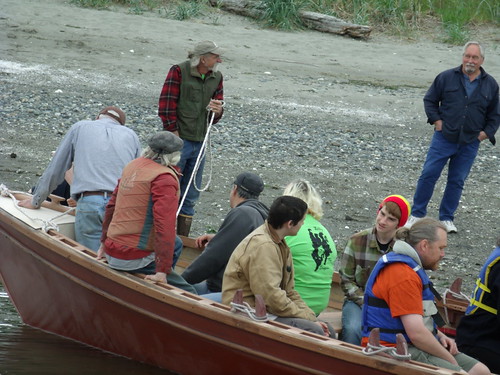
pixel 201 155
pixel 245 308
pixel 456 295
pixel 46 224
pixel 372 350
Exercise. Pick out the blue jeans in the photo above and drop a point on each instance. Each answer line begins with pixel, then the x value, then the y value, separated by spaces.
pixel 306 325
pixel 202 289
pixel 189 155
pixel 88 221
pixel 461 158
pixel 352 319
pixel 177 250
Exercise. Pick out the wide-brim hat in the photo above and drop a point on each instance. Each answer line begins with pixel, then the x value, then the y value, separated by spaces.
pixel 205 47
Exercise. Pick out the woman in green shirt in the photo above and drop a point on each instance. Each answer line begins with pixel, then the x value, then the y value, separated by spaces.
pixel 313 250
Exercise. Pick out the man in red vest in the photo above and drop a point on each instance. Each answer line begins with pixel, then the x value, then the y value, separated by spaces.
pixel 138 233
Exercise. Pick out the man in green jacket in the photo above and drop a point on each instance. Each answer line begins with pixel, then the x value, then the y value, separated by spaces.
pixel 192 95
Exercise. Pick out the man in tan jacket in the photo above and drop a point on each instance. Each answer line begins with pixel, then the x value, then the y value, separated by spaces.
pixel 262 264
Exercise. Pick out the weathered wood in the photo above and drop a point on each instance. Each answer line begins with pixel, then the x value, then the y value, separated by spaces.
pixel 334 25
pixel 316 21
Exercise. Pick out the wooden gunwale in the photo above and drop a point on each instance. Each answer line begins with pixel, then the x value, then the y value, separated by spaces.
pixel 65 257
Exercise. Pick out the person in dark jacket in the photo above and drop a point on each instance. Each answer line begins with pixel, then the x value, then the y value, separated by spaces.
pixel 478 334
pixel 463 106
pixel 246 214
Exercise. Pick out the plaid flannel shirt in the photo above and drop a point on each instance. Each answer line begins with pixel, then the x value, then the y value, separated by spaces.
pixel 358 260
pixel 167 105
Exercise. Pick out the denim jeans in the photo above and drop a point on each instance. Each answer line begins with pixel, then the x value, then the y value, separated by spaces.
pixel 177 250
pixel 189 155
pixel 461 157
pixel 352 318
pixel 88 221
pixel 202 288
pixel 306 325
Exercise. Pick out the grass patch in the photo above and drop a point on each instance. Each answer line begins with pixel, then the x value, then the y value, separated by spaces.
pixel 450 20
pixel 282 14
pixel 183 10
pixel 97 4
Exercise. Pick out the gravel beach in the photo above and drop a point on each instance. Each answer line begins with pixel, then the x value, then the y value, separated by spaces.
pixel 345 114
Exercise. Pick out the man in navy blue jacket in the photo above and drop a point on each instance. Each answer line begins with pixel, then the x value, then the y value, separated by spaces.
pixel 463 105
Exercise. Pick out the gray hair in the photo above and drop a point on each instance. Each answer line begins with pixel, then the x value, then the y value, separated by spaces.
pixel 472 43
pixel 424 229
pixel 194 60
pixel 245 194
pixel 163 159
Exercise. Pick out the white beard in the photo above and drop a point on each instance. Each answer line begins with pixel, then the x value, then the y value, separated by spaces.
pixel 470 68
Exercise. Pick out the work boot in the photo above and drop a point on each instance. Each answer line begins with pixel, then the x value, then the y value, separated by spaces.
pixel 184 224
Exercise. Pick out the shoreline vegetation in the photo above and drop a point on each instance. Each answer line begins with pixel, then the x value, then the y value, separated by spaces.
pixel 449 21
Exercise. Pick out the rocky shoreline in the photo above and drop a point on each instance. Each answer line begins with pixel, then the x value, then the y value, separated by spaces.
pixel 356 139
pixel 354 168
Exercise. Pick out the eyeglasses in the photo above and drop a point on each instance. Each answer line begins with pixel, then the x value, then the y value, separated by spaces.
pixel 472 57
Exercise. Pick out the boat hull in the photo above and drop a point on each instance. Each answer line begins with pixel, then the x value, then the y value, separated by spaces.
pixel 59 288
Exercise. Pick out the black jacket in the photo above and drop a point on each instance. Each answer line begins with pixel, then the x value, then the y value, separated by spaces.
pixel 239 222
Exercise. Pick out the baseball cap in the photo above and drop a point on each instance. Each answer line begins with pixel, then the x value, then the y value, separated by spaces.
pixel 250 183
pixel 115 113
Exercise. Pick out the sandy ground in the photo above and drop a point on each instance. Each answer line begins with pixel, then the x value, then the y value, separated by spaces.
pixel 359 87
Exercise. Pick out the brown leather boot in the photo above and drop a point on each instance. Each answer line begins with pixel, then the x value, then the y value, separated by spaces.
pixel 184 224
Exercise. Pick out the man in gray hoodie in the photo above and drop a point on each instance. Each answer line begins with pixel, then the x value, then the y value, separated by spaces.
pixel 246 214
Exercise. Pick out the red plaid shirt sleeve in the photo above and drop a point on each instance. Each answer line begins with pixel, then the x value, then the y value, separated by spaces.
pixel 167 106
pixel 219 95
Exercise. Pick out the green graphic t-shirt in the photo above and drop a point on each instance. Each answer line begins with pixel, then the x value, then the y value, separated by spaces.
pixel 314 254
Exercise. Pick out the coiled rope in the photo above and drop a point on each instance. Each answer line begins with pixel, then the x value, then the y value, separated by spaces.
pixel 201 155
pixel 372 350
pixel 247 309
pixel 460 295
pixel 46 224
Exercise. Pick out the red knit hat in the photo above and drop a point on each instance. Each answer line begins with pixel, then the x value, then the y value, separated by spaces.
pixel 403 205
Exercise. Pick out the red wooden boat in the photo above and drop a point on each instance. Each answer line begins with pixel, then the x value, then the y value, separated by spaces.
pixel 58 286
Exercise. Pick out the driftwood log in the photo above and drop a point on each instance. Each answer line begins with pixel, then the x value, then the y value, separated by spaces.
pixel 312 20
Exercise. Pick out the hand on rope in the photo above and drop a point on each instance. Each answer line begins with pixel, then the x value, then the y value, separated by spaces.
pixel 215 106
pixel 26 203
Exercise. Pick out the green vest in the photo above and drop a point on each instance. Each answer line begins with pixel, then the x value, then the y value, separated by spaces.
pixel 195 94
